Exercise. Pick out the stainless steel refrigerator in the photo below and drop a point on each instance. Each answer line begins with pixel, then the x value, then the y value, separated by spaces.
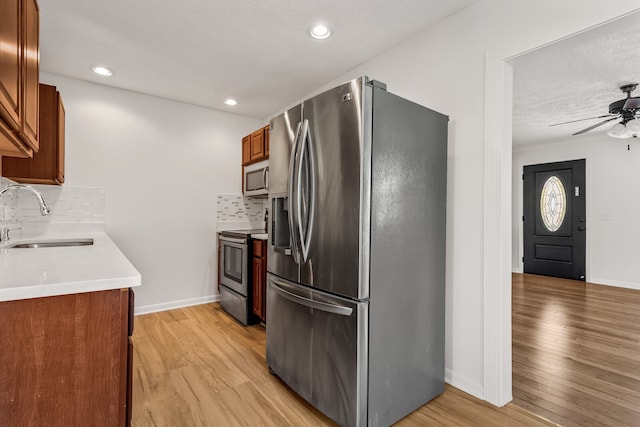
pixel 356 253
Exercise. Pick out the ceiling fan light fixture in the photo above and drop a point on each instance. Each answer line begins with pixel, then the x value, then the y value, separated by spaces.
pixel 633 127
pixel 619 130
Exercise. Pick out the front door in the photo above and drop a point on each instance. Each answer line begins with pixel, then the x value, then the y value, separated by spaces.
pixel 555 219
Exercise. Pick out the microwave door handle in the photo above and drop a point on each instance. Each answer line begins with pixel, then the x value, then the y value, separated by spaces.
pixel 318 305
pixel 290 196
pixel 265 177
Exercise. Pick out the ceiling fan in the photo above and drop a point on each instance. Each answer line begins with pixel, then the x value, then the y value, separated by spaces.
pixel 625 109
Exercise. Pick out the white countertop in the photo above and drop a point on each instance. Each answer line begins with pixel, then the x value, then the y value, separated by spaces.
pixel 260 236
pixel 41 272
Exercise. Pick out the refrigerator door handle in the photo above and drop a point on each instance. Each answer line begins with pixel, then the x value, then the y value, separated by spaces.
pixel 305 238
pixel 290 195
pixel 323 306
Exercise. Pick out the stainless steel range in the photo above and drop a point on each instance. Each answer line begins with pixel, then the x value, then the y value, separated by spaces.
pixel 235 291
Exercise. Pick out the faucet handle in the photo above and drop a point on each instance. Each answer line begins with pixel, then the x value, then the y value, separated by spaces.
pixel 4 233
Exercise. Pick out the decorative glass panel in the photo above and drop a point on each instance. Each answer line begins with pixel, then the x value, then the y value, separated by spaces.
pixel 553 203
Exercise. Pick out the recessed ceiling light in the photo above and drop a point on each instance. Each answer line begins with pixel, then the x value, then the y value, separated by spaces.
pixel 319 31
pixel 230 101
pixel 103 71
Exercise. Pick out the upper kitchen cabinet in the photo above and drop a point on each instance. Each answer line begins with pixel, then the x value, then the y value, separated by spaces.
pixel 246 149
pixel 255 147
pixel 47 165
pixel 19 74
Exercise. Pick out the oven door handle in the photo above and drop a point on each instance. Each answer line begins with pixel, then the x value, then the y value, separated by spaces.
pixel 323 306
pixel 233 240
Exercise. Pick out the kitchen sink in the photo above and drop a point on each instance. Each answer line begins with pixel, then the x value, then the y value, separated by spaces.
pixel 51 244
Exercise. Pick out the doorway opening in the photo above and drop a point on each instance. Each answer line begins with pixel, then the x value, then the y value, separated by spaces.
pixel 575 343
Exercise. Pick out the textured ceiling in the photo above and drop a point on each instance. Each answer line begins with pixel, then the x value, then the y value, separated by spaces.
pixel 573 79
pixel 203 51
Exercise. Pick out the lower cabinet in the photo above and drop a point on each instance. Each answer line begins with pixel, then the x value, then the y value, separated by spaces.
pixel 259 276
pixel 67 360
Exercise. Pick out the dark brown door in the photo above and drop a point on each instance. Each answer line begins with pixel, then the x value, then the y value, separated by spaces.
pixel 555 219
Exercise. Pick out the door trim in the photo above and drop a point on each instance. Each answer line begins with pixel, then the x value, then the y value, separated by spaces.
pixel 497 384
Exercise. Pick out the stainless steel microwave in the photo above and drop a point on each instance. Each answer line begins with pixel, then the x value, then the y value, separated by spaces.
pixel 256 179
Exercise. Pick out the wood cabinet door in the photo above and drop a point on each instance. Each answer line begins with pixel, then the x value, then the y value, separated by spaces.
pixel 63 360
pixel 266 141
pixel 257 144
pixel 60 146
pixel 246 149
pixel 258 288
pixel 10 61
pixel 260 279
pixel 47 165
pixel 31 59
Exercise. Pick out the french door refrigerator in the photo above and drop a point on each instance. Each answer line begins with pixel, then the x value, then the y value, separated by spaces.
pixel 356 253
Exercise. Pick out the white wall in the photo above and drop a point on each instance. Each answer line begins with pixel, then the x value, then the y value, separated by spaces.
pixel 444 68
pixel 613 208
pixel 161 164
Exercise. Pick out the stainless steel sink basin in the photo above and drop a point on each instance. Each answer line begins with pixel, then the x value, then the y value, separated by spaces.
pixel 51 244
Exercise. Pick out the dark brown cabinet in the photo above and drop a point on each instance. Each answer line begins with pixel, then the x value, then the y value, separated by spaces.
pixel 259 277
pixel 67 360
pixel 19 74
pixel 47 165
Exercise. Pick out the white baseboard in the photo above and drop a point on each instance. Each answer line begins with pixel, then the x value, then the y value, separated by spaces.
pixel 620 284
pixel 463 383
pixel 153 308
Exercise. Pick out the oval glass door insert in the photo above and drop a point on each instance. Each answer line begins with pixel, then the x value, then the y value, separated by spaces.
pixel 553 203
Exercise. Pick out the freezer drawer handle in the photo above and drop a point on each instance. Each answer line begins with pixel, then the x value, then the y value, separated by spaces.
pixel 330 308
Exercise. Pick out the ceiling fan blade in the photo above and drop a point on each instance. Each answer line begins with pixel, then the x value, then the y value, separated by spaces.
pixel 631 104
pixel 581 120
pixel 595 126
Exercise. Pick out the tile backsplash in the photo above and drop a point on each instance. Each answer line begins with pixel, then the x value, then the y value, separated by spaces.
pixel 69 206
pixel 241 211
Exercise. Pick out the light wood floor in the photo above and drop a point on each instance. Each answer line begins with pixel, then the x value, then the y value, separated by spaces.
pixel 576 351
pixel 198 367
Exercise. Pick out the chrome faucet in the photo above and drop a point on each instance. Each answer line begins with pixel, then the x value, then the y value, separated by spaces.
pixel 44 209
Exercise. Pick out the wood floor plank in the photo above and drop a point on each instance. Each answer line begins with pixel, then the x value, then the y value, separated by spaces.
pixel 198 367
pixel 576 351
